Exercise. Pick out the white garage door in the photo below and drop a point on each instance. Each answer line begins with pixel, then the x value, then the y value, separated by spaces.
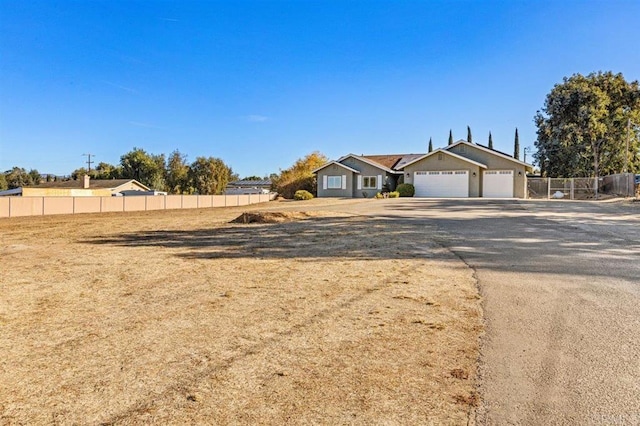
pixel 497 184
pixel 453 183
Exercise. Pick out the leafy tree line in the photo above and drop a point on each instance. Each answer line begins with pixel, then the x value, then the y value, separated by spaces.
pixel 589 126
pixel 205 175
pixel 299 176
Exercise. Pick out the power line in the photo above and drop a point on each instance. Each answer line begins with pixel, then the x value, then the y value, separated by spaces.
pixel 89 162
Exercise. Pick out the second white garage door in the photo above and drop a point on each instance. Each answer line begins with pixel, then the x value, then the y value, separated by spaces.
pixel 497 184
pixel 452 183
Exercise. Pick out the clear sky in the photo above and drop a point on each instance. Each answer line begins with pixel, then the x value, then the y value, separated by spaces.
pixel 262 83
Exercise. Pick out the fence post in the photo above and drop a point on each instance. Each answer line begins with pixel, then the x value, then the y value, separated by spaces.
pixel 572 187
pixel 548 188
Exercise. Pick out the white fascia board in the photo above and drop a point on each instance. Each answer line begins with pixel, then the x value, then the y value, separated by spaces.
pixel 490 151
pixel 337 164
pixel 444 151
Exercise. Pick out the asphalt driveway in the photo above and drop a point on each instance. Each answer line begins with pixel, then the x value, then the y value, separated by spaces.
pixel 561 288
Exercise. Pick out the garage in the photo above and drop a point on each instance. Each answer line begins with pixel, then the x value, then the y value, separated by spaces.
pixel 497 184
pixel 443 184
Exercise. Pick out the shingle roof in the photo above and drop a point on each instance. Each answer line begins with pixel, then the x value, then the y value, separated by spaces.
pixel 392 161
pixel 262 182
pixel 93 184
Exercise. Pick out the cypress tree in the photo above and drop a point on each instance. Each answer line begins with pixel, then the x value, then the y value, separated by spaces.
pixel 516 146
pixel 469 138
pixel 490 141
pixel 430 145
pixel 450 137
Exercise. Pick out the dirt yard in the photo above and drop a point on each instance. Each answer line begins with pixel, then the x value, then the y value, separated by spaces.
pixel 183 317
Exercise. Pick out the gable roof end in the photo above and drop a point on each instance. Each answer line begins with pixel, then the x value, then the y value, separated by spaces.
pixel 491 151
pixel 444 151
pixel 337 164
pixel 368 161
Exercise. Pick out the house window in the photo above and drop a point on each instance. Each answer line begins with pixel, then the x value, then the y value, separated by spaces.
pixel 334 182
pixel 369 182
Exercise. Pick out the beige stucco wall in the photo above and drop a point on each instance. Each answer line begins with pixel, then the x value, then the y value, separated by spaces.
pixel 173 201
pixel 58 205
pixel 112 204
pixel 14 206
pixel 155 202
pixel 134 204
pixel 448 162
pixel 189 201
pixel 88 204
pixel 243 200
pixel 204 201
pixel 219 200
pixel 26 206
pixel 64 192
pixel 5 207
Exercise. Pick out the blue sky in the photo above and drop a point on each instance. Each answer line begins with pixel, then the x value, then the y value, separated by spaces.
pixel 262 83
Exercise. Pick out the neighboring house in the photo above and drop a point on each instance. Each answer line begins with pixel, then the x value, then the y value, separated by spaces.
pixel 248 187
pixel 461 170
pixel 79 188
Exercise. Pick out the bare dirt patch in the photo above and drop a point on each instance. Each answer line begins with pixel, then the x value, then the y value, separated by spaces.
pixel 273 217
pixel 182 317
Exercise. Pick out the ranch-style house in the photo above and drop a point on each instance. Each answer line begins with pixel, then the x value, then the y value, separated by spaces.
pixel 460 170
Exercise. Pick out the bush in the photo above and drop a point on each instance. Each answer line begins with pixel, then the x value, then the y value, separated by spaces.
pixel 405 190
pixel 394 194
pixel 302 195
pixel 379 195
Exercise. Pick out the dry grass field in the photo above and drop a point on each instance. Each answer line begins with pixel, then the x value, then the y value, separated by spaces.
pixel 176 317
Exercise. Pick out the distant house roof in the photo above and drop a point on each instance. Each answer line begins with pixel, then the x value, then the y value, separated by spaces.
pixel 250 183
pixel 93 184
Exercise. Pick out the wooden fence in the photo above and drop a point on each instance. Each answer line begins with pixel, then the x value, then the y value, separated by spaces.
pixel 42 206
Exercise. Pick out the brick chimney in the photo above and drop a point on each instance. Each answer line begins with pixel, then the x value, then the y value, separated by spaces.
pixel 85 182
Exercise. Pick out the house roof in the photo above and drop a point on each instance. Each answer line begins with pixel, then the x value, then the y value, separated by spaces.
pixel 93 184
pixel 337 164
pixel 14 191
pixel 365 159
pixel 251 183
pixel 392 161
pixel 492 151
pixel 444 151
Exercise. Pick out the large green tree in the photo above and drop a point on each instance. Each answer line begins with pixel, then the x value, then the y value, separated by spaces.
pixel 516 146
pixel 146 168
pixel 450 137
pixel 209 175
pixel 490 141
pixel 430 145
pixel 469 137
pixel 299 176
pixel 177 174
pixel 582 128
pixel 3 182
pixel 17 177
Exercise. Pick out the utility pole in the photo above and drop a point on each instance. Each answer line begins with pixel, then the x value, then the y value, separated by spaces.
pixel 89 162
pixel 626 154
